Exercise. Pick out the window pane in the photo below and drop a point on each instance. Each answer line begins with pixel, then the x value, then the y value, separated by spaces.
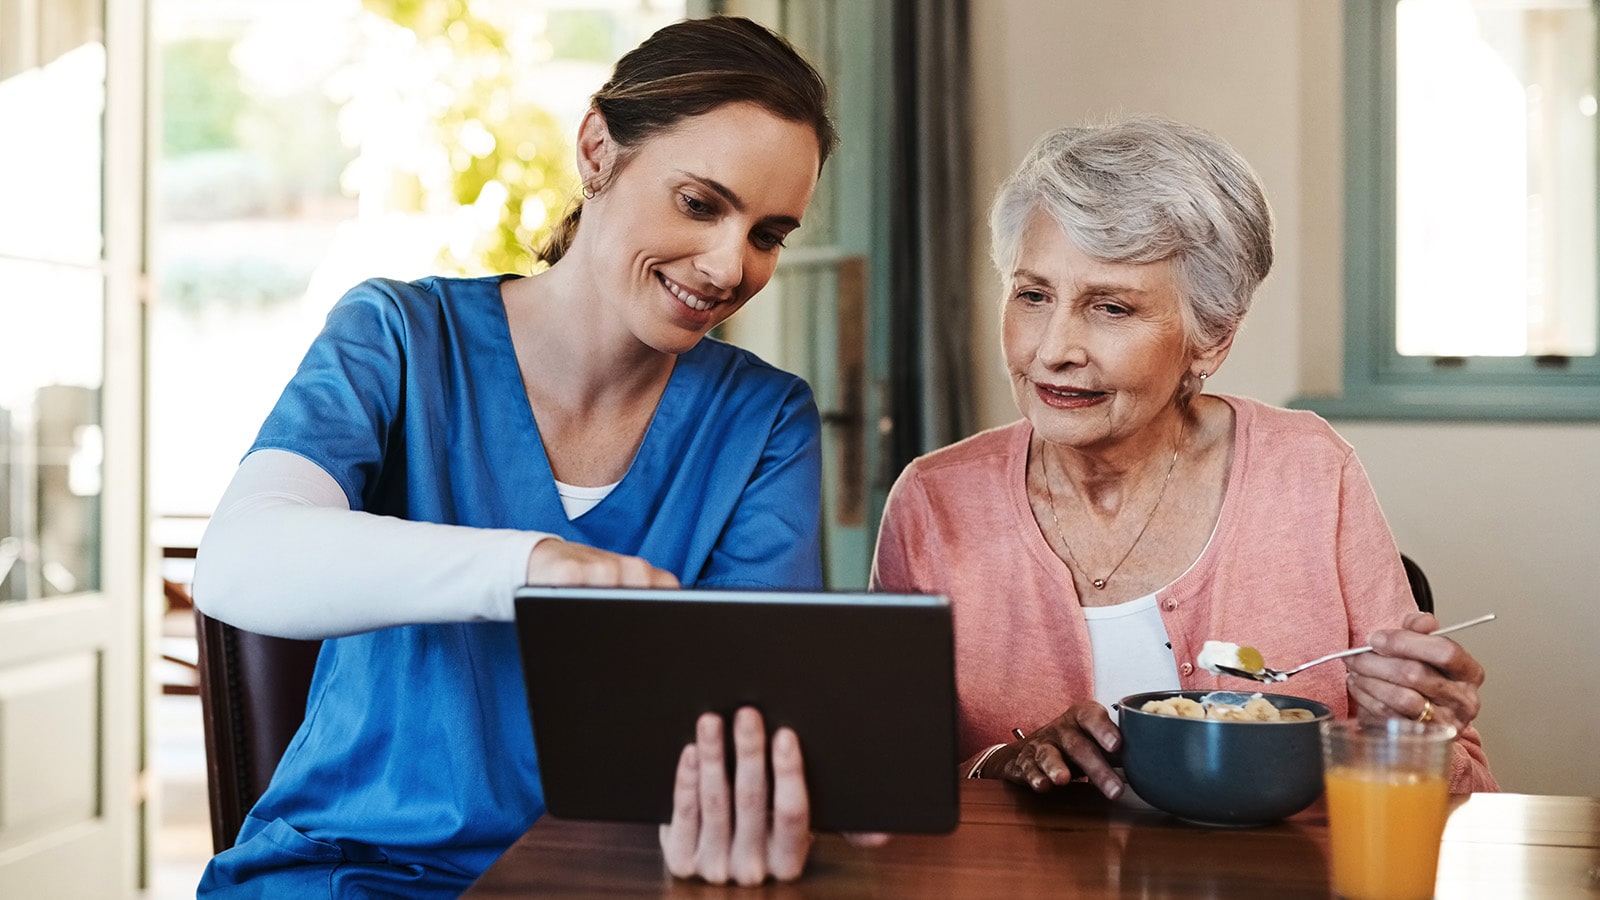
pixel 52 98
pixel 1496 159
pixel 50 447
pixel 50 154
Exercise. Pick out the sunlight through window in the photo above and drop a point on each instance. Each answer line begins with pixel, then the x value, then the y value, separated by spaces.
pixel 406 139
pixel 1496 158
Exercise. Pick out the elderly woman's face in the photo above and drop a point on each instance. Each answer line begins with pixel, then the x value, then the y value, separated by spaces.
pixel 1096 350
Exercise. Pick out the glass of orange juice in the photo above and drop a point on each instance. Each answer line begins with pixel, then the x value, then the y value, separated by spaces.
pixel 1388 795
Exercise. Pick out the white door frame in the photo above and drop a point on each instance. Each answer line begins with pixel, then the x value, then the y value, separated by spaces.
pixel 88 649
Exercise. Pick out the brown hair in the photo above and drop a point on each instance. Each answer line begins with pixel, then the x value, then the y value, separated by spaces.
pixel 690 68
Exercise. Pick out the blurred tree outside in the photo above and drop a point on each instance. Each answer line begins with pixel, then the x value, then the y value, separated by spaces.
pixel 310 144
pixel 199 93
pixel 463 136
pixel 504 160
pixel 234 151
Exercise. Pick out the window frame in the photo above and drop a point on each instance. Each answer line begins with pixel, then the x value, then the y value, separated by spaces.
pixel 1378 382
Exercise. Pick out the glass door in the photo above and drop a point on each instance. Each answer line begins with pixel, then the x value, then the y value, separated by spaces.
pixel 70 437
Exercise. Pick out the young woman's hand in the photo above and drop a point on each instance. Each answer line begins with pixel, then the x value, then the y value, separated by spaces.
pixel 1081 741
pixel 720 832
pixel 556 562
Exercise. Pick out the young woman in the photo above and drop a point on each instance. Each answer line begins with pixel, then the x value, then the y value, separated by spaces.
pixel 448 440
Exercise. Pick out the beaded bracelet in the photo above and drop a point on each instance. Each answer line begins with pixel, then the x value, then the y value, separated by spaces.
pixel 982 758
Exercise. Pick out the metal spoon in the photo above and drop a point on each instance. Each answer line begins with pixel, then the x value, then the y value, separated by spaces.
pixel 1270 675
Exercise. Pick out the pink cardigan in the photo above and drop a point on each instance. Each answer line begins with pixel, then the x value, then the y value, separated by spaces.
pixel 1302 563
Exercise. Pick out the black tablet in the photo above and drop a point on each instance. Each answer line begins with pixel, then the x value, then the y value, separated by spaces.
pixel 617 677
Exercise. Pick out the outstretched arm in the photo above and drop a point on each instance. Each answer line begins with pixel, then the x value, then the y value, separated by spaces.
pixel 285 555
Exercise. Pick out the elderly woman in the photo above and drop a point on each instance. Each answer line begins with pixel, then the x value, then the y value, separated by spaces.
pixel 1090 549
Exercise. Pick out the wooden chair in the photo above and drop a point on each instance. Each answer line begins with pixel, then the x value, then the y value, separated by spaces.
pixel 179 673
pixel 253 691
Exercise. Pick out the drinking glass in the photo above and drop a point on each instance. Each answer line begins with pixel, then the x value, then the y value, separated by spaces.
pixel 1388 795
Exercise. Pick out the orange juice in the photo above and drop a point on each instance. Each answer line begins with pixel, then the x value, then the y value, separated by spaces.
pixel 1386 827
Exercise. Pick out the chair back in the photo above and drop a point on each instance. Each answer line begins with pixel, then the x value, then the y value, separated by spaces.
pixel 253 691
pixel 1420 591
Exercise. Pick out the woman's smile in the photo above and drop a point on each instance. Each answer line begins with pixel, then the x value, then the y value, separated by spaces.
pixel 1063 397
pixel 689 298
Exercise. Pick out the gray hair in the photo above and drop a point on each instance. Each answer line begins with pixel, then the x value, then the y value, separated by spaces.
pixel 1144 190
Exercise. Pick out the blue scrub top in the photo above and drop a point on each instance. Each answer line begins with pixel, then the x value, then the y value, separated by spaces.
pixel 415 768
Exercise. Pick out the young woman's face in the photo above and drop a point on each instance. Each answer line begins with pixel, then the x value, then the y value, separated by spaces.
pixel 690 226
pixel 1096 350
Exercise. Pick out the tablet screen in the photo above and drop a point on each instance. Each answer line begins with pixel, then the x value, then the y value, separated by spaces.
pixel 616 678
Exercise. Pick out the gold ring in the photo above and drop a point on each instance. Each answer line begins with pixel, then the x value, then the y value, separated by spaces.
pixel 1426 715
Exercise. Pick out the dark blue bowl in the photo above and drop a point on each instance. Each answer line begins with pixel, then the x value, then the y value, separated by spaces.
pixel 1218 772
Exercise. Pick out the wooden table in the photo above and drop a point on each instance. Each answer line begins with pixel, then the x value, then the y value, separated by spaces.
pixel 1012 843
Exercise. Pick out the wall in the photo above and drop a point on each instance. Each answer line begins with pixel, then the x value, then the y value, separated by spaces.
pixel 1505 518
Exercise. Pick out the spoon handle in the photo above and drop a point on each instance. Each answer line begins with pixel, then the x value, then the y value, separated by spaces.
pixel 1486 617
pixel 1357 650
pixel 1353 651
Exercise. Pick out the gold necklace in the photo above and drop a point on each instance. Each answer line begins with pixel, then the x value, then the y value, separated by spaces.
pixel 1100 583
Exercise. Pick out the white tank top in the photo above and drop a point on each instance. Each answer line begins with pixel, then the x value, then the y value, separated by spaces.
pixel 577 500
pixel 1131 650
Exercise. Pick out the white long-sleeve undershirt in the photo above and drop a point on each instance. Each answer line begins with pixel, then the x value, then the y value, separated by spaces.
pixel 285 555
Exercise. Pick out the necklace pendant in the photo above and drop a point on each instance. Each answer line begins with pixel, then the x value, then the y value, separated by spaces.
pixel 1099 582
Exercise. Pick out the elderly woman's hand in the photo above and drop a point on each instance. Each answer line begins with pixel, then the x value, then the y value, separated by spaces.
pixel 1081 741
pixel 1413 674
